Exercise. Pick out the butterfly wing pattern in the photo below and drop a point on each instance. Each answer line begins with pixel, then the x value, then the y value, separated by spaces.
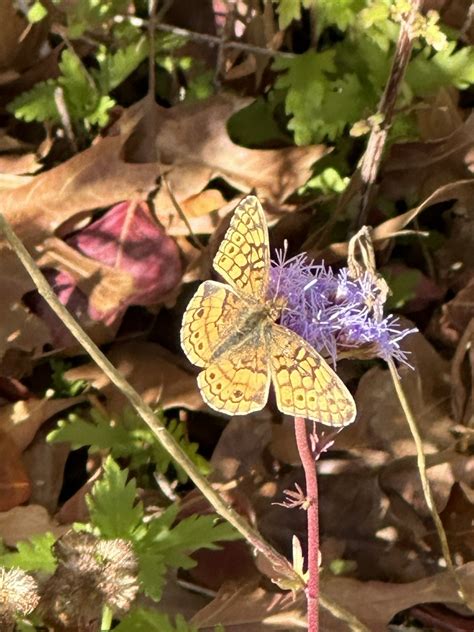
pixel 227 330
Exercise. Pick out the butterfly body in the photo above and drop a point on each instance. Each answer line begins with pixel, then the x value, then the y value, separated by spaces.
pixel 230 331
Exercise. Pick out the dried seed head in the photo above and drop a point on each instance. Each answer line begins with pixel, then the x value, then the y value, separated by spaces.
pixel 18 595
pixel 91 573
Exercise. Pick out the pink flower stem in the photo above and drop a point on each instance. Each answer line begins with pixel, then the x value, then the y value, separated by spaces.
pixel 309 466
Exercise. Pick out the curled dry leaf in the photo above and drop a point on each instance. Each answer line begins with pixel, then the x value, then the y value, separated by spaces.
pixel 461 191
pixel 457 314
pixel 21 420
pixel 124 258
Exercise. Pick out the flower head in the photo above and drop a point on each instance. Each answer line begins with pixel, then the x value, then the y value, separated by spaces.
pixel 91 572
pixel 338 315
pixel 18 596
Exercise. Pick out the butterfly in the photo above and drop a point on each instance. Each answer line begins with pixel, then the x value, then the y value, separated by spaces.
pixel 230 331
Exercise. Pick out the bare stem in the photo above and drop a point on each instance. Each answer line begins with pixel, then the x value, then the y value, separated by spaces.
pixel 425 484
pixel 309 466
pixel 279 563
pixel 372 158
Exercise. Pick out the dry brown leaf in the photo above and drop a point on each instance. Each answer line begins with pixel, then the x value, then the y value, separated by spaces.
pixel 381 424
pixel 249 608
pixel 417 168
pixel 462 191
pixel 376 603
pixel 45 463
pixel 21 420
pixel 153 372
pixel 15 485
pixel 21 523
pixel 457 314
pixel 192 145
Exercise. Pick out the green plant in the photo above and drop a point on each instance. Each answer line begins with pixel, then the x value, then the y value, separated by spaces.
pixel 157 543
pixel 330 89
pixel 127 438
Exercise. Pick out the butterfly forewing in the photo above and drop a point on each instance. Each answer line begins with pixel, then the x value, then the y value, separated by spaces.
pixel 243 258
pixel 212 315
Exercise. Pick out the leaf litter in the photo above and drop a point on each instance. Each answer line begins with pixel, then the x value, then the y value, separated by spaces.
pixel 101 223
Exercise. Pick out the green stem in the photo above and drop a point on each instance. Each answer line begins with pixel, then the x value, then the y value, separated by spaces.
pixel 425 483
pixel 279 563
pixel 107 617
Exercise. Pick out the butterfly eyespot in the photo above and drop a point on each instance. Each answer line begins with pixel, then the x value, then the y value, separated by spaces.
pixel 197 334
pixel 200 312
pixel 238 393
pixel 218 386
pixel 212 375
pixel 201 346
pixel 300 398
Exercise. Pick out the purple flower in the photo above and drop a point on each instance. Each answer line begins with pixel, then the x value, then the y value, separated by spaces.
pixel 338 315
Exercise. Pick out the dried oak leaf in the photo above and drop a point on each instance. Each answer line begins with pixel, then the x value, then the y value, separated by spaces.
pixel 415 169
pixel 381 424
pixel 155 373
pixel 187 143
pixel 461 191
pixel 376 603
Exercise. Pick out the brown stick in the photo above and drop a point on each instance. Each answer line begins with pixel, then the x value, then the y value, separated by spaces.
pixel 370 164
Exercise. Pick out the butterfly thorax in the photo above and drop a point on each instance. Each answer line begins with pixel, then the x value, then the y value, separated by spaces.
pixel 252 328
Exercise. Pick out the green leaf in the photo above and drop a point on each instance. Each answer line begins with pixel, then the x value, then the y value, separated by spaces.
pixel 85 15
pixel 340 13
pixel 288 10
pixel 63 387
pixel 190 534
pixel 152 573
pixel 255 125
pixel 36 104
pixel 36 12
pixel 115 68
pixel 141 620
pixel 34 554
pixel 427 73
pixel 128 438
pixel 112 503
pixel 97 433
pixel 165 546
pixel 403 286
pixel 321 100
pixel 80 92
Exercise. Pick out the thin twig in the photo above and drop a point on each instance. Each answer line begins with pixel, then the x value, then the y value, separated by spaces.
pixel 371 160
pixel 312 512
pixel 425 484
pixel 61 107
pixel 279 563
pixel 212 40
pixel 152 7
